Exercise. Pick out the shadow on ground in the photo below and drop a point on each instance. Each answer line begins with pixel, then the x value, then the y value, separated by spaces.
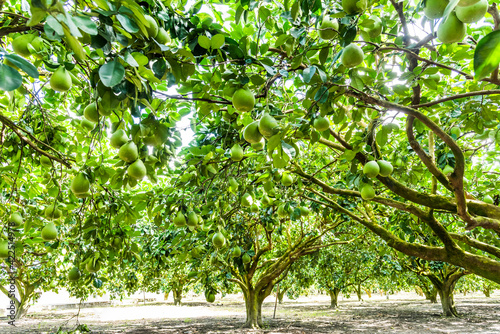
pixel 478 316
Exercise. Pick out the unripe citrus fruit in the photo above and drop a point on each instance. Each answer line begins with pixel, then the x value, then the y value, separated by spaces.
pixel 60 81
pixel 243 99
pixel 371 169
pixel 137 170
pixel 352 56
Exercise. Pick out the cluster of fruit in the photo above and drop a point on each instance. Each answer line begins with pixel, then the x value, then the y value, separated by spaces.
pixel 453 28
pixel 372 169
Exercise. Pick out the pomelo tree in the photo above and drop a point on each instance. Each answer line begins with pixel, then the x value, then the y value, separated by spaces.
pixel 389 121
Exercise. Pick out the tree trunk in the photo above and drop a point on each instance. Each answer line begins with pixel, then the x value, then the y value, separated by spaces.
pixel 358 292
pixel 487 292
pixel 22 309
pixel 334 296
pixel 445 286
pixel 253 304
pixel 448 303
pixel 165 295
pixel 431 295
pixel 177 296
pixel 281 294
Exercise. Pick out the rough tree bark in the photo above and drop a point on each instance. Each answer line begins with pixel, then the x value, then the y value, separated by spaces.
pixel 445 286
pixel 177 296
pixel 281 294
pixel 253 304
pixel 334 297
pixel 428 290
pixel 358 292
pixel 27 294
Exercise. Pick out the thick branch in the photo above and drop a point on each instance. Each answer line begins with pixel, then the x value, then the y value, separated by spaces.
pixel 477 244
pixel 424 157
pixel 15 128
pixel 456 97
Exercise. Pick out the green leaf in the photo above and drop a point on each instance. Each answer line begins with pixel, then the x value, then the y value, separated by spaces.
pixel 487 55
pixel 10 79
pixel 382 137
pixel 321 94
pixel 217 41
pixel 451 6
pixel 273 142
pixel 204 42
pixel 112 73
pixel 308 73
pixel 23 64
pixel 52 22
pixel 37 15
pixel 127 24
pixel 85 24
pixel 296 62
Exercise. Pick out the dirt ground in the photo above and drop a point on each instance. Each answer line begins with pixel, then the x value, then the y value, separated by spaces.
pixel 402 313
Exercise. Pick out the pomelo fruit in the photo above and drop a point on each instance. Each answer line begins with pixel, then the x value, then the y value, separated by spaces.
pixel 236 252
pixel 4 249
pixel 80 184
pixel 374 29
pixel 452 30
pixel 90 113
pixel 304 211
pixel 243 99
pixel 236 152
pixel 86 124
pixel 251 133
pixel 153 26
pixel 352 7
pixel 472 13
pixel 52 212
pixel 385 168
pixel 286 179
pixel 128 152
pixel 210 297
pixel 464 3
pixel 137 170
pixel 60 81
pixel 45 161
pixel 268 126
pixel 163 37
pixel 49 232
pixel 282 213
pixel 74 274
pixel 488 199
pixel 434 9
pixel 192 219
pixel 20 44
pixel 321 123
pixel 367 192
pixel 16 219
pixel 371 169
pixel 218 240
pixel 118 138
pixel 328 28
pixel 352 56
pixel 258 146
pixel 456 131
pixel 246 258
pixel 179 220
pixel 93 266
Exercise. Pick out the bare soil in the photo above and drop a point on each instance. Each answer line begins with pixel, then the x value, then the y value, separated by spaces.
pixel 402 313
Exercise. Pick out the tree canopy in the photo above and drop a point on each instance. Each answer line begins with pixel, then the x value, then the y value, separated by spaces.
pixel 312 121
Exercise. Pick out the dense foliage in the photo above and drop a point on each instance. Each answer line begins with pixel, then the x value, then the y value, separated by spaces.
pixel 313 122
